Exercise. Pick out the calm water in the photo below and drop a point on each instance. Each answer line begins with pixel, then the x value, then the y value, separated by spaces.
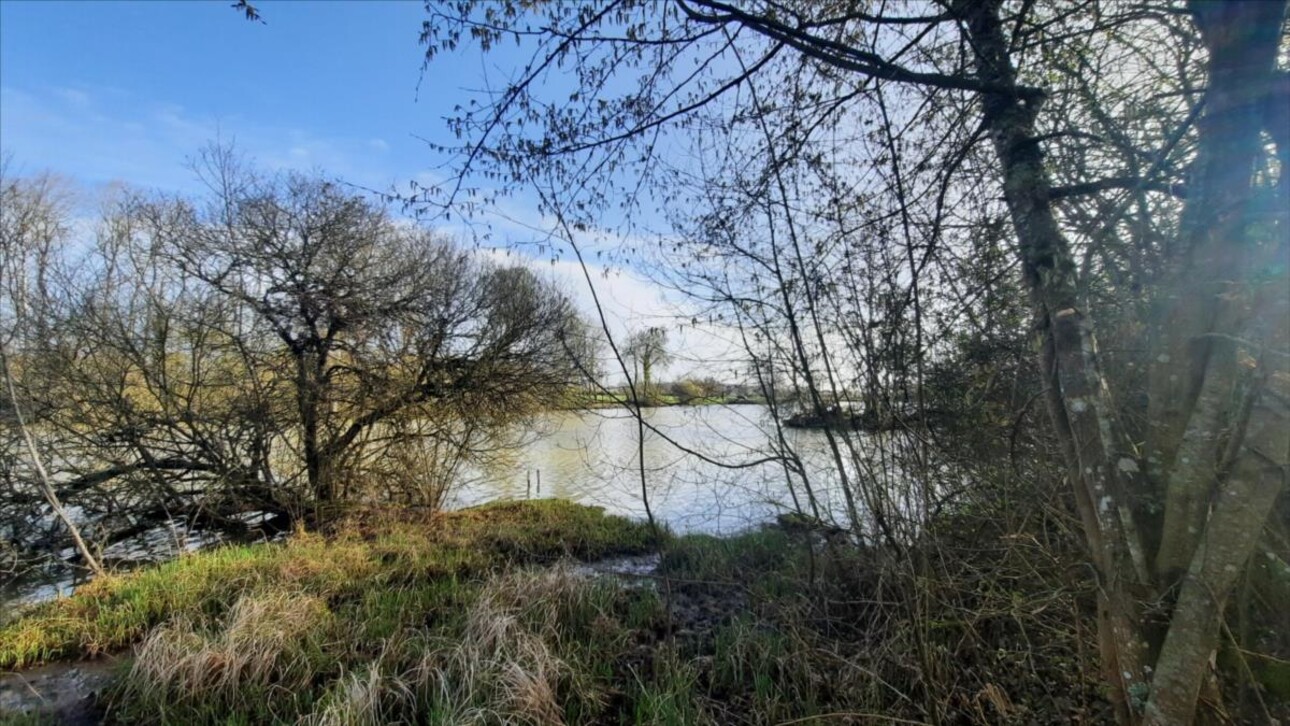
pixel 592 458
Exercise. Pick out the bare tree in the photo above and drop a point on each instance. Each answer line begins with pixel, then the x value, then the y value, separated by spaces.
pixel 31 230
pixel 1124 183
pixel 375 319
pixel 276 346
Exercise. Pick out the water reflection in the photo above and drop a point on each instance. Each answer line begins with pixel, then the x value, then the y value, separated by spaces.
pixel 592 458
pixel 589 457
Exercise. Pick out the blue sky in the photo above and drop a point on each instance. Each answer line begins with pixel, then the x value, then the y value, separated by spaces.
pixel 105 92
pixel 125 91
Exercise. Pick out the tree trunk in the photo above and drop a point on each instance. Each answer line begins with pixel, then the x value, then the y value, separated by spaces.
pixel 1078 398
pixel 1192 372
pixel 46 485
pixel 1220 466
pixel 309 400
pixel 1230 461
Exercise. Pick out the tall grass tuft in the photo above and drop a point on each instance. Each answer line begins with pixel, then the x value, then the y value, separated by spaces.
pixel 524 655
pixel 258 659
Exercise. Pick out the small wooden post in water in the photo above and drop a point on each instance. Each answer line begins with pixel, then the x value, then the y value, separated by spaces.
pixel 539 471
pixel 528 483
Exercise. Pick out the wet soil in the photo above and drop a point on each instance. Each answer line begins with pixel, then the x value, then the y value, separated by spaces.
pixel 61 693
pixel 69 693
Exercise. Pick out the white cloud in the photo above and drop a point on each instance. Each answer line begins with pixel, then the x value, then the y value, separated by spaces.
pixel 105 134
pixel 73 96
pixel 630 300
pixel 630 303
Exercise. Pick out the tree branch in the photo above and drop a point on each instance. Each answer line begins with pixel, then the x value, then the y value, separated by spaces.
pixel 844 56
pixel 1176 190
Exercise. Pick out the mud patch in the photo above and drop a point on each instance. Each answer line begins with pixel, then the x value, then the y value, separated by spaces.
pixel 62 693
pixel 695 610
pixel 632 569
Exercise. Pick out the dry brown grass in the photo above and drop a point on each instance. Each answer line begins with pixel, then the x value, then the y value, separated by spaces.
pixel 518 655
pixel 265 642
pixel 507 665
pixel 362 698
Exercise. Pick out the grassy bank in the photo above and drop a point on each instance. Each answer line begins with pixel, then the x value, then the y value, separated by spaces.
pixel 477 617
pixel 375 551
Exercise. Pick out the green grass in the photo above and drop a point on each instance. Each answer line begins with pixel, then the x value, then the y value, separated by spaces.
pixel 474 617
pixel 530 645
pixel 778 559
pixel 26 719
pixel 396 615
pixel 116 611
pixel 666 695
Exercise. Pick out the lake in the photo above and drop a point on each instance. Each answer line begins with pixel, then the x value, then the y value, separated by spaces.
pixel 591 457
